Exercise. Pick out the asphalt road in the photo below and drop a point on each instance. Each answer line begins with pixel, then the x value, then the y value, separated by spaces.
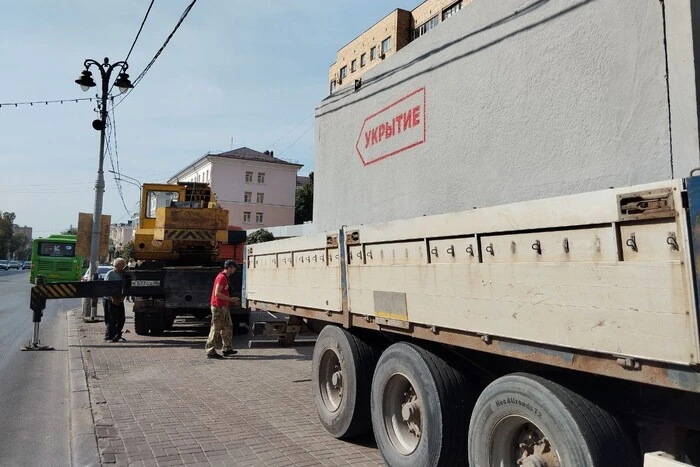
pixel 34 386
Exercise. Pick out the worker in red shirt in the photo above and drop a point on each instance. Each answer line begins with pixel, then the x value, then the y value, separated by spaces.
pixel 220 314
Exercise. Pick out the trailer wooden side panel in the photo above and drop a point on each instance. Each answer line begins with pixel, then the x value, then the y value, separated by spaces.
pixel 607 272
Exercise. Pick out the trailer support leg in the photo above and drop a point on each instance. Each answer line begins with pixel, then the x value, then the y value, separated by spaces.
pixel 38 305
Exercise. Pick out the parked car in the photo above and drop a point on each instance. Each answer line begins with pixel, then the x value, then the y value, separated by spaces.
pixel 13 265
pixel 27 265
pixel 3 264
pixel 101 271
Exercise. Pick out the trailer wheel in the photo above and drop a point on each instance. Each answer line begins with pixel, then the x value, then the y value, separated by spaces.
pixel 420 408
pixel 522 419
pixel 342 369
pixel 141 323
pixel 156 322
pixel 169 321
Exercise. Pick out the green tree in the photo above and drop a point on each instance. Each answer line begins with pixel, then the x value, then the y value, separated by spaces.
pixel 259 236
pixel 128 251
pixel 6 221
pixel 20 247
pixel 304 202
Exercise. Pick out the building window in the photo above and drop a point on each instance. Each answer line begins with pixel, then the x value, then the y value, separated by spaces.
pixel 259 217
pixel 343 72
pixel 386 45
pixel 372 53
pixel 425 27
pixel 363 60
pixel 246 217
pixel 261 177
pixel 332 86
pixel 247 197
pixel 353 66
pixel 261 198
pixel 451 10
pixel 249 177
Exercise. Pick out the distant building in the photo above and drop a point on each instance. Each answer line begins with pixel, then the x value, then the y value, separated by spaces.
pixel 386 37
pixel 302 180
pixel 121 234
pixel 256 188
pixel 26 231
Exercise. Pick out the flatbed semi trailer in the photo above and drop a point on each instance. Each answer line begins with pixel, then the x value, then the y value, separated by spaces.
pixel 554 332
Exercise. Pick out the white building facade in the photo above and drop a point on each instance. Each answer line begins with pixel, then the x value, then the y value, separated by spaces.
pixel 121 234
pixel 256 188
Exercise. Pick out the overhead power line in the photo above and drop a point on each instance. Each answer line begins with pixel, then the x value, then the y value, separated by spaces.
pixel 46 102
pixel 139 33
pixel 114 159
pixel 289 132
pixel 155 57
pixel 170 36
pixel 137 37
pixel 297 140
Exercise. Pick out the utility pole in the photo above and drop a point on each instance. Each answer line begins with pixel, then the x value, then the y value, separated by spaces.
pixel 86 82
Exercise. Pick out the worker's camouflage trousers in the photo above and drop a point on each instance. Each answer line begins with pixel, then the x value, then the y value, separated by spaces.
pixel 221 329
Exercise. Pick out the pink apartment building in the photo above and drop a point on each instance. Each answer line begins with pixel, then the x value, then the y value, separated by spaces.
pixel 257 188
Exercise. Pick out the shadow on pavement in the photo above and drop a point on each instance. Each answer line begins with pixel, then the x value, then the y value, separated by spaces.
pixel 365 441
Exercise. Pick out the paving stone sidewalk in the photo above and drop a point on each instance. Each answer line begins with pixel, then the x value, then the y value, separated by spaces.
pixel 158 401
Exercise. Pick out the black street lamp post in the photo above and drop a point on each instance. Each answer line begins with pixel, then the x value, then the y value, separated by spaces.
pixel 86 82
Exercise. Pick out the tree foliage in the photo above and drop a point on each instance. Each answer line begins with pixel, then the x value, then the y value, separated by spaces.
pixel 20 247
pixel 259 236
pixel 6 221
pixel 126 251
pixel 304 202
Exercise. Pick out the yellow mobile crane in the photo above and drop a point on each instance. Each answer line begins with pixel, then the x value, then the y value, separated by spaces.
pixel 177 245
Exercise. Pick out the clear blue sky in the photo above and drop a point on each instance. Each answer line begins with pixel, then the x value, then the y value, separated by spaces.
pixel 253 71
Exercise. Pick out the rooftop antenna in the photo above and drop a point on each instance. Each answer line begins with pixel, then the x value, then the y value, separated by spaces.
pixel 231 143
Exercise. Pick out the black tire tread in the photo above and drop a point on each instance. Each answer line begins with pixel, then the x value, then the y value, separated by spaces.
pixel 453 390
pixel 365 360
pixel 364 357
pixel 141 324
pixel 156 323
pixel 601 428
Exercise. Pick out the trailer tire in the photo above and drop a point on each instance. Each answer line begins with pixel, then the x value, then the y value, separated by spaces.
pixel 420 407
pixel 169 321
pixel 524 409
pixel 342 368
pixel 156 322
pixel 141 323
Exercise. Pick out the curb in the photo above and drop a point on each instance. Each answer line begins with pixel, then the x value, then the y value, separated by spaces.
pixel 83 440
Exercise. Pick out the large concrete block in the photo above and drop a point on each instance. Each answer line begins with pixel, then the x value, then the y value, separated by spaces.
pixel 508 101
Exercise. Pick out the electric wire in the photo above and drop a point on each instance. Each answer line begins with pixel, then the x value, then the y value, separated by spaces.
pixel 46 102
pixel 289 132
pixel 131 49
pixel 155 57
pixel 116 148
pixel 114 159
pixel 129 213
pixel 139 32
pixel 108 149
pixel 297 140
